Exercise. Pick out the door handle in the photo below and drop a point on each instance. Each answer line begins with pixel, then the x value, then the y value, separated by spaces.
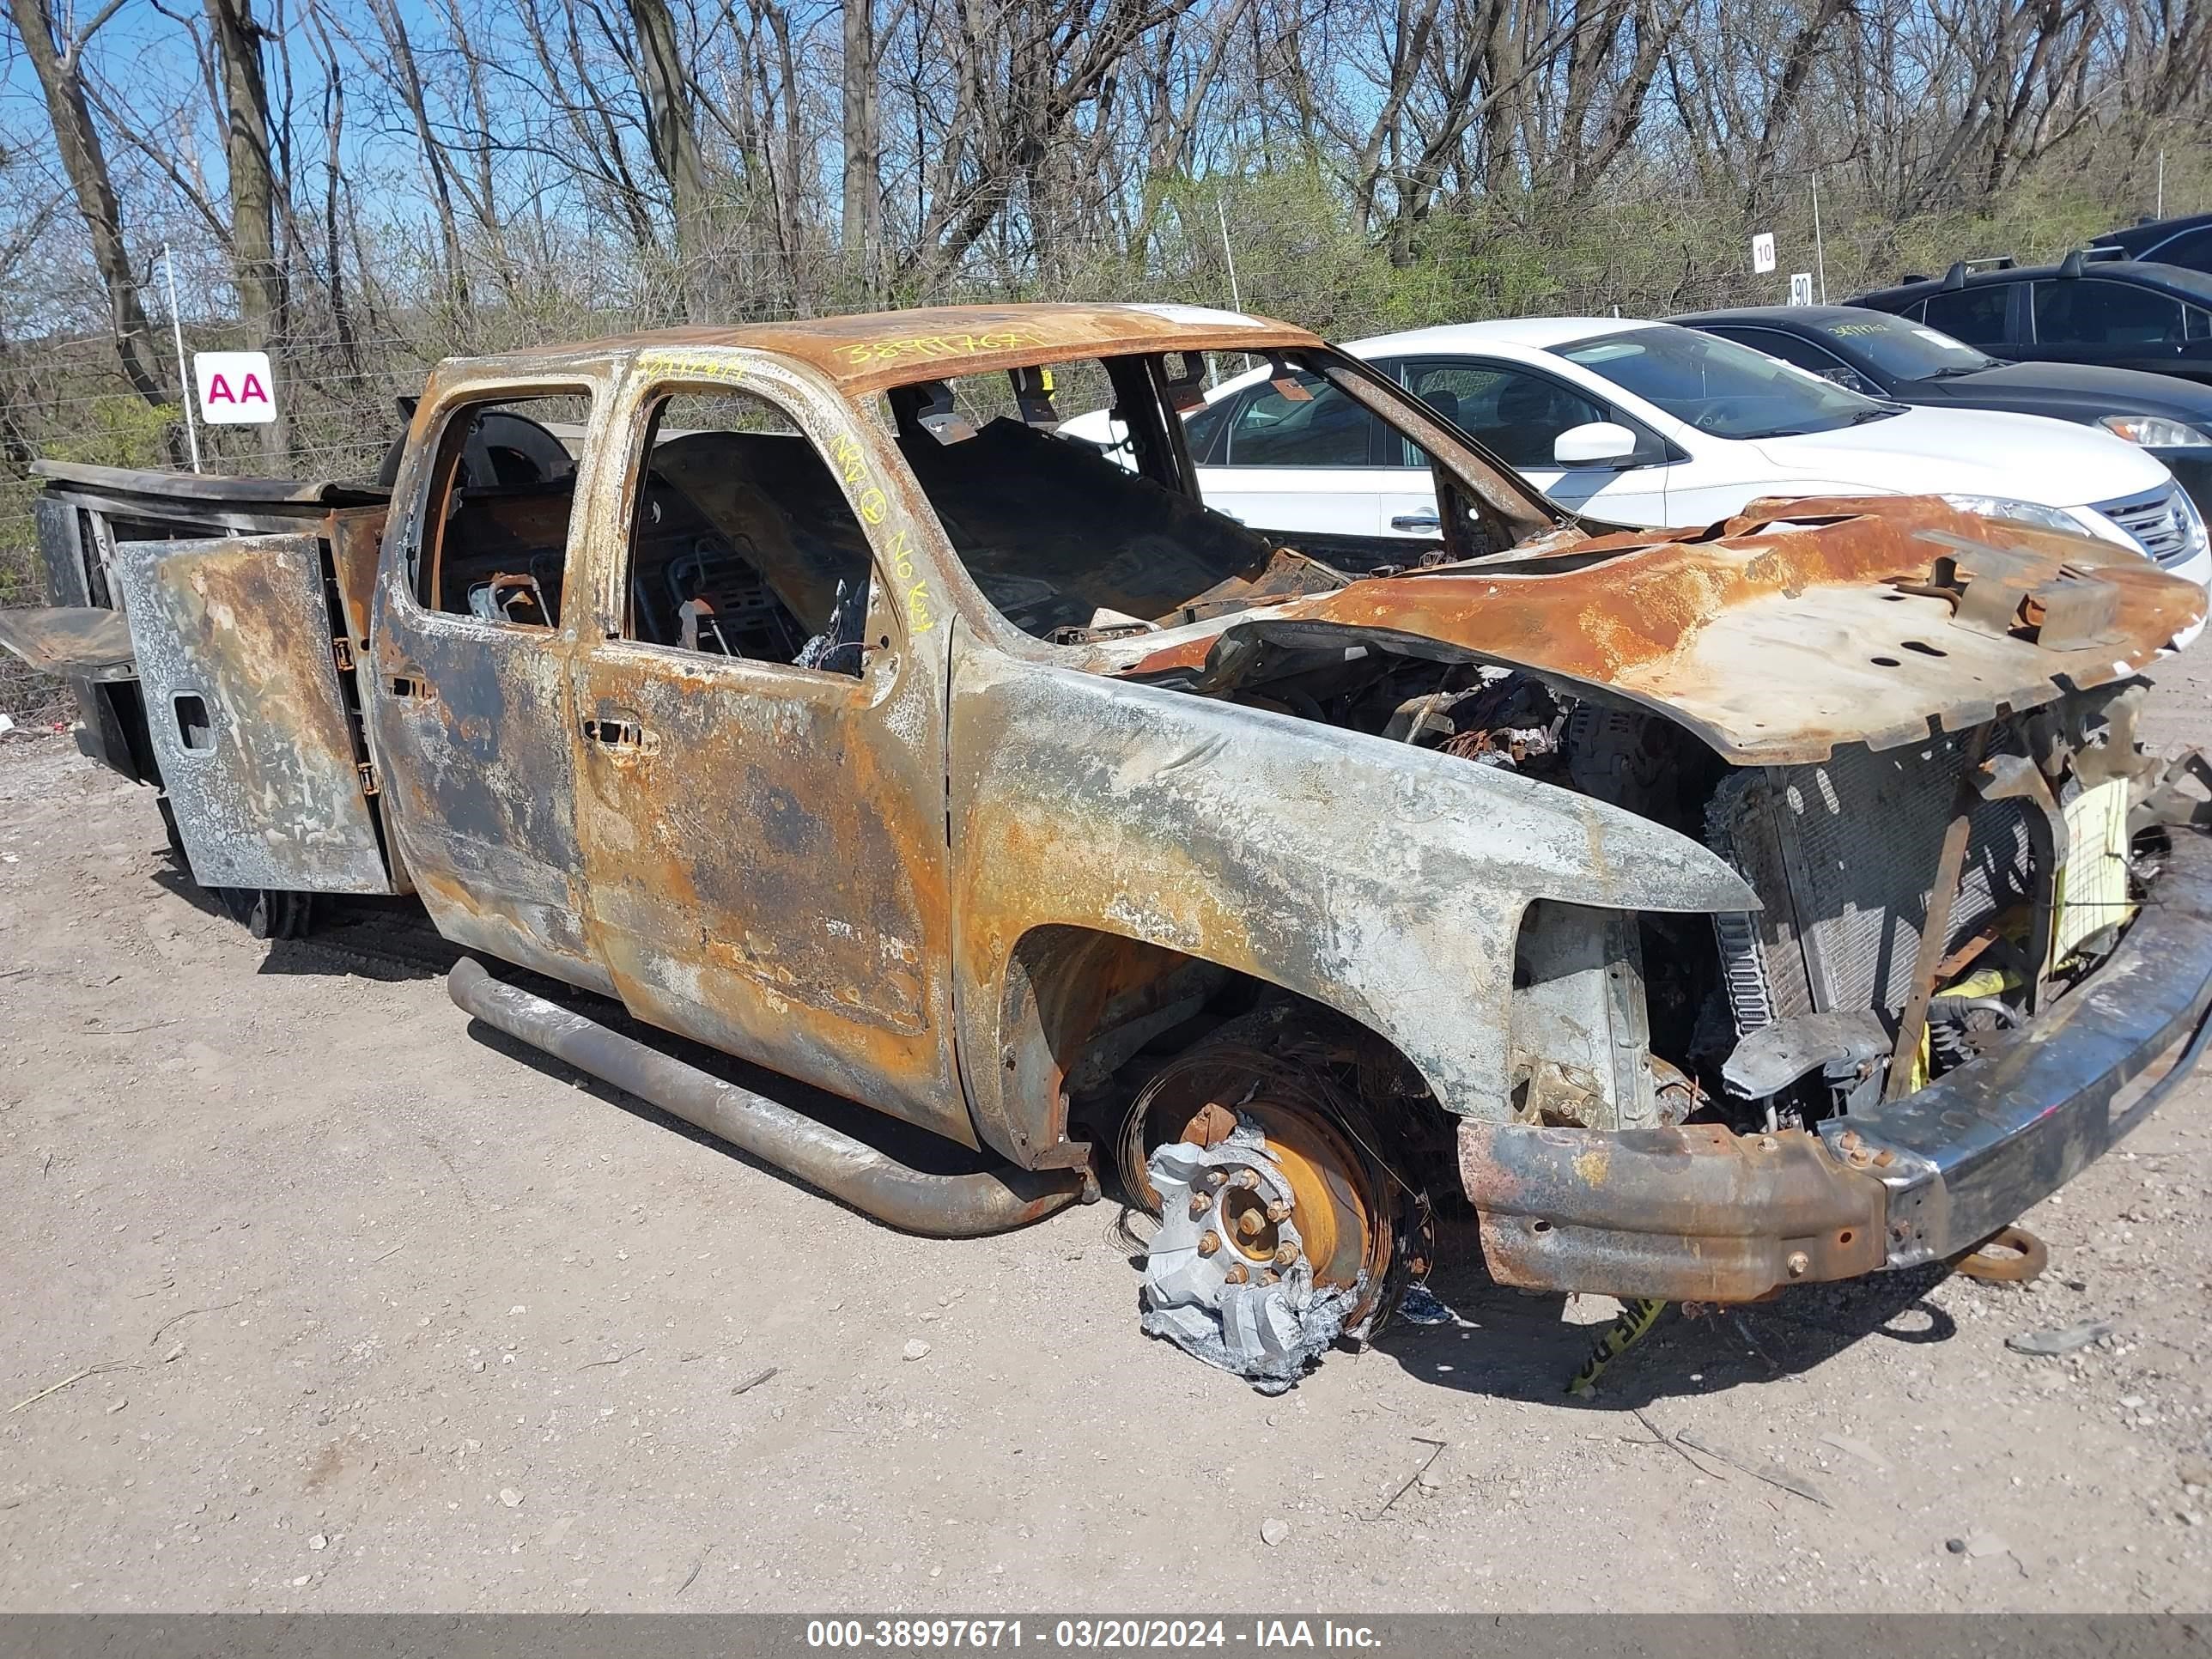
pixel 1417 521
pixel 614 732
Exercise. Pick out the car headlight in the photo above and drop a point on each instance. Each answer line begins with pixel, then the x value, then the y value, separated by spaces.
pixel 2156 432
pixel 1999 506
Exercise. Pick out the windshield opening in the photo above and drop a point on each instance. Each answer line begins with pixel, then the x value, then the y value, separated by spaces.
pixel 1718 387
pixel 1906 349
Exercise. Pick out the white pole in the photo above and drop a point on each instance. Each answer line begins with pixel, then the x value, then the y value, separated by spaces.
pixel 1235 299
pixel 1820 260
pixel 2161 184
pixel 183 375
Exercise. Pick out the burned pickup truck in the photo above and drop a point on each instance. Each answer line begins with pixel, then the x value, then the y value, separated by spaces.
pixel 1714 910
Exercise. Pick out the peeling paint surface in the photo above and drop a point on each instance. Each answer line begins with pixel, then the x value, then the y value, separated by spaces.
pixel 1774 644
pixel 233 642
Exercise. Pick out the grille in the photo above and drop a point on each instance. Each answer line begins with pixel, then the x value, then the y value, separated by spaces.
pixel 2157 520
pixel 1842 853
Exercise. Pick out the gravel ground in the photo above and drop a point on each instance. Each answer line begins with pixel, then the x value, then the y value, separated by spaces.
pixel 313 1299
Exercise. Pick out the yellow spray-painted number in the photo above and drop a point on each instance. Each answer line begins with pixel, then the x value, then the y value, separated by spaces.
pixel 692 365
pixel 939 345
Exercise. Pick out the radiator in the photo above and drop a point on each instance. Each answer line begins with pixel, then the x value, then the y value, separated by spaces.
pixel 1842 853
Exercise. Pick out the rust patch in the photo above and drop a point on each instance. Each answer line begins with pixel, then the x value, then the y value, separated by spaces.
pixel 1696 1213
pixel 1774 643
pixel 84 639
pixel 867 352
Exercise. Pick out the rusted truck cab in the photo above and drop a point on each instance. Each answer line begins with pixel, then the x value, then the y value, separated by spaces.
pixel 1713 910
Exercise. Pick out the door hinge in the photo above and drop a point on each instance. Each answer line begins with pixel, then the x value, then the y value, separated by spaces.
pixel 370 783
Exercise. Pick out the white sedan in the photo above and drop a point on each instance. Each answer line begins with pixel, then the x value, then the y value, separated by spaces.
pixel 1649 424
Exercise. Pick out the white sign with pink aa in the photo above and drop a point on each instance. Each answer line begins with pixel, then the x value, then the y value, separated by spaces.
pixel 236 388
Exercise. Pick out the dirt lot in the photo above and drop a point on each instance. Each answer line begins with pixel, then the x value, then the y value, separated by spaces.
pixel 313 1298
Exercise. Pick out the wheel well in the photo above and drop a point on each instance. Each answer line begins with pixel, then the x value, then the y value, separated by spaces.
pixel 1087 1016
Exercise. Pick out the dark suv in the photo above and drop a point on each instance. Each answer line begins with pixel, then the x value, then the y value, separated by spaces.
pixel 2091 308
pixel 1879 355
pixel 2185 241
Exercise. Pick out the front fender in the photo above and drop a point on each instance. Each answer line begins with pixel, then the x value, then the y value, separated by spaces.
pixel 1381 880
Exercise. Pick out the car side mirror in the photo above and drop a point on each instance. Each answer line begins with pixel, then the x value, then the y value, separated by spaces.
pixel 1593 444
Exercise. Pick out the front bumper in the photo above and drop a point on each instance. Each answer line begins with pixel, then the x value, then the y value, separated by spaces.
pixel 1702 1214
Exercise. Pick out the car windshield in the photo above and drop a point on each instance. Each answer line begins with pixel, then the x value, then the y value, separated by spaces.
pixel 1904 350
pixel 1718 387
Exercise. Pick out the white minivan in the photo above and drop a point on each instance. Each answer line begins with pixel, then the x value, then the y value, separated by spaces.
pixel 1649 424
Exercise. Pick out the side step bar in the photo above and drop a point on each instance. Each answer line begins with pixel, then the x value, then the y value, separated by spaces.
pixel 937 1206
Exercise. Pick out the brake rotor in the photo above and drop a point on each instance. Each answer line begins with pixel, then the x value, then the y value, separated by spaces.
pixel 1276 1232
pixel 1339 1221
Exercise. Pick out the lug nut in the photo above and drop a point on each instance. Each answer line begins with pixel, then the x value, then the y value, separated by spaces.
pixel 1270 1277
pixel 1215 1177
pixel 1247 1179
pixel 1237 1275
pixel 1200 1204
pixel 1249 1223
pixel 1798 1264
pixel 1279 1211
pixel 1286 1254
pixel 1208 1242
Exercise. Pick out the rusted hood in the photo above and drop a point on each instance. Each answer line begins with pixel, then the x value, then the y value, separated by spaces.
pixel 1783 632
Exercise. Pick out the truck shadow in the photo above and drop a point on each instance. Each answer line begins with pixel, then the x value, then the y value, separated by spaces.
pixel 1511 1344
pixel 367 936
pixel 1518 1345
pixel 391 939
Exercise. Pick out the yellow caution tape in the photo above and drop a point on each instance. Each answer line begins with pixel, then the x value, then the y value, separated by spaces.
pixel 1635 1323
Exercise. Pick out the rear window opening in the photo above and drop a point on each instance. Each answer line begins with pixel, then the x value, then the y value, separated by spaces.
pixel 496 525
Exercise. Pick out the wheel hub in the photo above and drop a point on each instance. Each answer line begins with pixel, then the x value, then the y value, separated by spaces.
pixel 1267 1246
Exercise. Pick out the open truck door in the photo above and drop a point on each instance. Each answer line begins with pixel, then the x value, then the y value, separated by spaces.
pixel 250 711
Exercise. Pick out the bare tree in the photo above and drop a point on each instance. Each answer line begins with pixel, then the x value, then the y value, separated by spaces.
pixel 666 88
pixel 392 29
pixel 59 61
pixel 861 224
pixel 254 183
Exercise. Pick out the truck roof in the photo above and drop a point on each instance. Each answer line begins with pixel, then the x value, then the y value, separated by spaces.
pixel 871 350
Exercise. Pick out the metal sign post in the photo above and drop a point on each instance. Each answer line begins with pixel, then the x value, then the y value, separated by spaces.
pixel 1820 260
pixel 183 375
